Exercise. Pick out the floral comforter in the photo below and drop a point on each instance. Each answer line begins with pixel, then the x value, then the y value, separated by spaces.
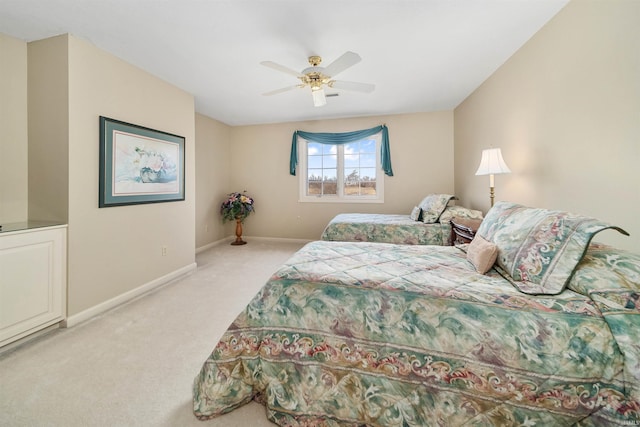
pixel 396 335
pixel 386 228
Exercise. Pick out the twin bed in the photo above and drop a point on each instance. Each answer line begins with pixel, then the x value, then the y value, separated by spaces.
pixel 428 224
pixel 380 334
pixel 386 228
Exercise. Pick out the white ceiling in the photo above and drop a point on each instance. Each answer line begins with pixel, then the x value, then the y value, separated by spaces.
pixel 422 55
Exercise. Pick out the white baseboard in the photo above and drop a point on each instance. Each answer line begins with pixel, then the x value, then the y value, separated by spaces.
pixel 211 245
pixel 27 338
pixel 127 296
pixel 276 239
pixel 247 238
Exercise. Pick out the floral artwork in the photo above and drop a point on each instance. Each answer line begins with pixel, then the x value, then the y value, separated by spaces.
pixel 144 165
pixel 139 165
pixel 236 206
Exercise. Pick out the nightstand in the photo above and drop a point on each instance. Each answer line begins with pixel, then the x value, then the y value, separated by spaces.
pixel 463 230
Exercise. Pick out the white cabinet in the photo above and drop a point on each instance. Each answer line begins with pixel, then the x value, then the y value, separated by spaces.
pixel 33 279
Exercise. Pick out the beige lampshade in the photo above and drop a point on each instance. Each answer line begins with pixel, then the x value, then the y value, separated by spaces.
pixel 492 163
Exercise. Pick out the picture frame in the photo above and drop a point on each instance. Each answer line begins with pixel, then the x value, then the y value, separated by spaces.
pixel 139 165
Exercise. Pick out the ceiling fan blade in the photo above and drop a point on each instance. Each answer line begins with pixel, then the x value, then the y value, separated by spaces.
pixel 284 89
pixel 347 60
pixel 355 86
pixel 281 68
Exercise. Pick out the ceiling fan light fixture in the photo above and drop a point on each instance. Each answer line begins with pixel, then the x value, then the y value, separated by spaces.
pixel 319 99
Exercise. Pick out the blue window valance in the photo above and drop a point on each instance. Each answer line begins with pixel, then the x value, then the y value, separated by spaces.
pixel 343 138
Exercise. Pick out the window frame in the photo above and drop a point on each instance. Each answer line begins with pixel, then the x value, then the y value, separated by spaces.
pixel 340 197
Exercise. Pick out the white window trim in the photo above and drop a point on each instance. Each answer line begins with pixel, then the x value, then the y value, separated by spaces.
pixel 302 179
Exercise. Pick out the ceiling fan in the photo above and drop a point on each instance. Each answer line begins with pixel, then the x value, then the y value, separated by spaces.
pixel 317 78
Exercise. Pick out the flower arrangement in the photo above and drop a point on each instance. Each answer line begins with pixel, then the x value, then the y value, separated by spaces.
pixel 155 166
pixel 236 206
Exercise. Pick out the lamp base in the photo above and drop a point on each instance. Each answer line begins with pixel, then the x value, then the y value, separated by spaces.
pixel 492 194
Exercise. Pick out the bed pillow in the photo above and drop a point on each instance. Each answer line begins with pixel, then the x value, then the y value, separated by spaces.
pixel 458 212
pixel 433 205
pixel 538 249
pixel 415 213
pixel 482 254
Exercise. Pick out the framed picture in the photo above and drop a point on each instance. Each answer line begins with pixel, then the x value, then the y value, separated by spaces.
pixel 139 165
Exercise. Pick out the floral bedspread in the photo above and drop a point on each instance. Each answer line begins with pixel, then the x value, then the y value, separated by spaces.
pixel 386 228
pixel 356 334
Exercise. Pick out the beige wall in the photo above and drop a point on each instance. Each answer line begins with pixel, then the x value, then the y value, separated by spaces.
pixel 111 251
pixel 13 130
pixel 49 129
pixel 213 145
pixel 114 250
pixel 565 110
pixel 421 154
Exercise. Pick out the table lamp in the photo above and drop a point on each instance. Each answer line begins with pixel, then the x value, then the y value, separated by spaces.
pixel 492 164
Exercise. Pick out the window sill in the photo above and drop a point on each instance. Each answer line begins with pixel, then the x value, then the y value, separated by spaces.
pixel 337 200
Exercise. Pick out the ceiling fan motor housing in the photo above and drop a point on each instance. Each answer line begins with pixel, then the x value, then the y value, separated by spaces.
pixel 314 78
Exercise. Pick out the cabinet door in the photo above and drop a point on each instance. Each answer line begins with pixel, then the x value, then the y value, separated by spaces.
pixel 32 281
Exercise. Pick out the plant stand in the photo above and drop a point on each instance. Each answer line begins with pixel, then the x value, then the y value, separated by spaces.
pixel 238 240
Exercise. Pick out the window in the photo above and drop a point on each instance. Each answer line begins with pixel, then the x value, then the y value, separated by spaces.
pixel 348 172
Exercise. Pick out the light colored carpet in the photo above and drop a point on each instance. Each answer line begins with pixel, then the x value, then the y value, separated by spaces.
pixel 134 365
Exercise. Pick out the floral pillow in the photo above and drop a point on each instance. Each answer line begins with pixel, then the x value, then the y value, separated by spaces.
pixel 433 205
pixel 539 249
pixel 451 212
pixel 415 213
